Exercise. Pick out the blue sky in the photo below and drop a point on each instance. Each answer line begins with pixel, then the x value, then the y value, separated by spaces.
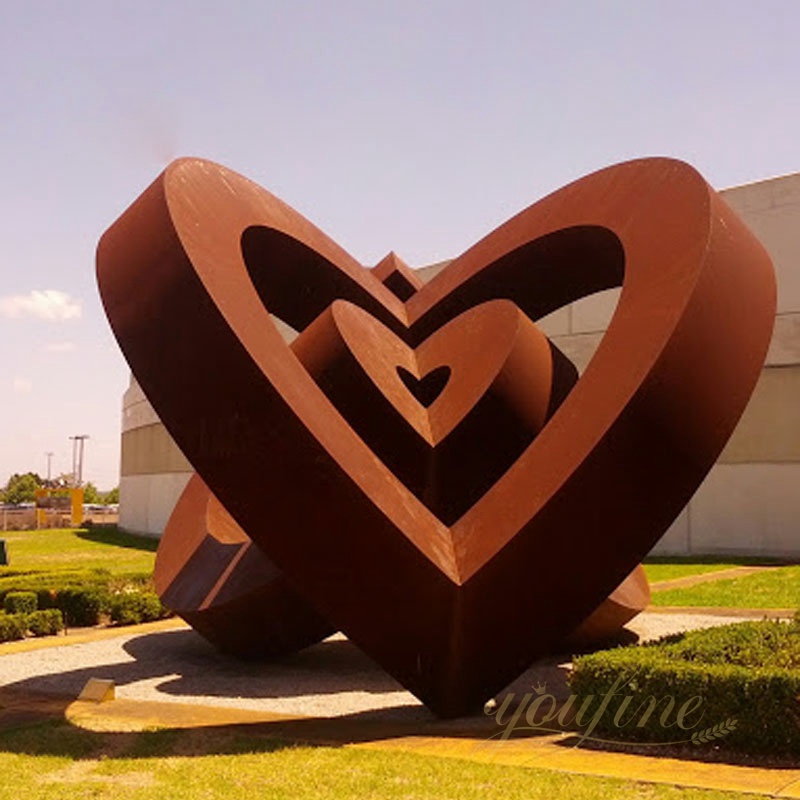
pixel 409 126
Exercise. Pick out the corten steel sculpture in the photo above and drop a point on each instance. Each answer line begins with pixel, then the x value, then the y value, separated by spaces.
pixel 418 465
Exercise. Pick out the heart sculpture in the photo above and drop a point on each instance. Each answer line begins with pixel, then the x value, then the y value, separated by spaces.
pixel 454 598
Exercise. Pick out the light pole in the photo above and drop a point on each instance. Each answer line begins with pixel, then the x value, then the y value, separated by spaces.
pixel 77 458
pixel 49 455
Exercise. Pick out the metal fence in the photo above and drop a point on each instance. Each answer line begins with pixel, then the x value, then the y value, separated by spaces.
pixel 24 519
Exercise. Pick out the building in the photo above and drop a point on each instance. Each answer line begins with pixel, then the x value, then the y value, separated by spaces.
pixel 749 503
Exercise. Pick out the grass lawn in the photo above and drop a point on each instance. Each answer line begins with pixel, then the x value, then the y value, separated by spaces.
pixel 69 549
pixel 665 568
pixel 776 588
pixel 668 570
pixel 54 760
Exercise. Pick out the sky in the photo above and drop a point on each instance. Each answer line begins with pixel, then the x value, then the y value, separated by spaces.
pixel 409 126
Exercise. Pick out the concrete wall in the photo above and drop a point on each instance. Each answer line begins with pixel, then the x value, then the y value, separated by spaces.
pixel 153 472
pixel 750 501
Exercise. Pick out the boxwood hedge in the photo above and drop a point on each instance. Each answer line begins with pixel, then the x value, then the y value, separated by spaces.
pixel 20 602
pixel 132 608
pixel 37 623
pixel 46 622
pixel 12 626
pixel 84 597
pixel 747 672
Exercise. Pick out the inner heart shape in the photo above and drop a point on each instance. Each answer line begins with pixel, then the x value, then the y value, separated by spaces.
pixel 501 388
pixel 195 270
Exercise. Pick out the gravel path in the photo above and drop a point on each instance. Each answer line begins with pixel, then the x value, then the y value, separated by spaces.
pixel 331 679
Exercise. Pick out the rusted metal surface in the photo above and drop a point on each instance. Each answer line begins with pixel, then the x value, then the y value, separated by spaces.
pixel 605 624
pixel 355 495
pixel 209 572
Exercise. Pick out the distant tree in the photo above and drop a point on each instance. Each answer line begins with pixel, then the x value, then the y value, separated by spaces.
pixel 21 488
pixel 90 494
pixel 112 497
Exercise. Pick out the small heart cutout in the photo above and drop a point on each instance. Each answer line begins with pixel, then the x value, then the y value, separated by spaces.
pixel 427 388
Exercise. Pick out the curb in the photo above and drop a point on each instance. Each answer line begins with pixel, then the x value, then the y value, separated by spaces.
pixel 86 635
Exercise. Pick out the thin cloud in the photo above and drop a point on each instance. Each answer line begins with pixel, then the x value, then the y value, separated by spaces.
pixel 21 385
pixel 48 304
pixel 59 347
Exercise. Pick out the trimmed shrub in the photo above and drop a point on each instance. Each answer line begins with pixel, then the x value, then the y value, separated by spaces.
pixel 46 622
pixel 131 582
pixel 747 672
pixel 767 643
pixel 12 626
pixel 82 607
pixel 81 595
pixel 133 608
pixel 50 582
pixel 20 602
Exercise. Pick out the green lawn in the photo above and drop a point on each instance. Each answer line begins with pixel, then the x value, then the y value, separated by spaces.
pixel 70 549
pixel 776 588
pixel 669 570
pixel 665 568
pixel 55 761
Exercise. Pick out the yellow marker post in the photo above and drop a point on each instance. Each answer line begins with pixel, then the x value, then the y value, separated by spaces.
pixel 98 690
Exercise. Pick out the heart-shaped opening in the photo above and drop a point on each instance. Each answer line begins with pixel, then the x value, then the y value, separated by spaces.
pixel 427 388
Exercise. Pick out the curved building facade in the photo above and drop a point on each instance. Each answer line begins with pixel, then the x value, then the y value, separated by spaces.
pixel 749 503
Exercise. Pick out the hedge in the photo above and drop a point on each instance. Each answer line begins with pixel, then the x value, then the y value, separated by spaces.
pixel 83 606
pixel 38 623
pixel 47 584
pixel 46 622
pixel 133 608
pixel 82 596
pixel 12 626
pixel 746 674
pixel 79 598
pixel 11 580
pixel 20 602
